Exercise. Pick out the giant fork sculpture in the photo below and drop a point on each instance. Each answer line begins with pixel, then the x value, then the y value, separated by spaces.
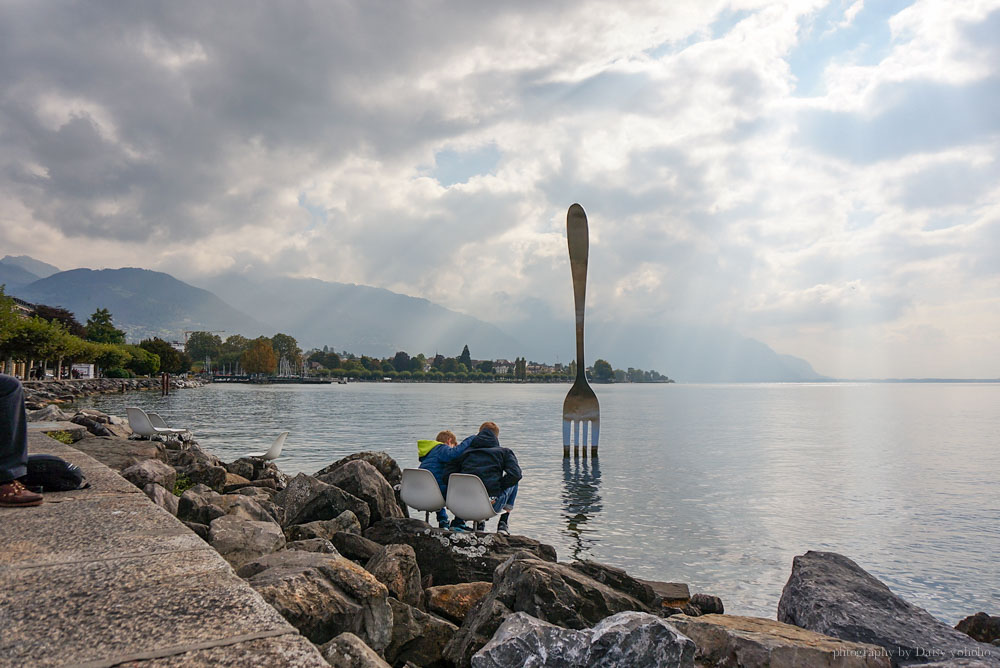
pixel 581 406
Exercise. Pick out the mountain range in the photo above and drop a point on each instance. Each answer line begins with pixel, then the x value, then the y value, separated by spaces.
pixel 374 321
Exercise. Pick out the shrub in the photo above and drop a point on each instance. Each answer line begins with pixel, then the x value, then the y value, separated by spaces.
pixel 182 484
pixel 61 436
pixel 118 372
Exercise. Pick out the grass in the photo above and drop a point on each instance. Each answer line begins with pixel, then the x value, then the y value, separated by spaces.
pixel 61 436
pixel 182 484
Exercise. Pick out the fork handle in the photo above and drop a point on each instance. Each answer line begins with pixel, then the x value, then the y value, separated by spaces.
pixel 578 237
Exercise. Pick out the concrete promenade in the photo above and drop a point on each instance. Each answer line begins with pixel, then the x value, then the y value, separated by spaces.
pixel 104 577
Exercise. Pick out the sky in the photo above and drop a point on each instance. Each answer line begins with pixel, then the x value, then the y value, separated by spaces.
pixel 820 176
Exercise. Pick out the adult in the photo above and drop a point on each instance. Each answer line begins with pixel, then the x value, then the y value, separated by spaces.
pixel 497 467
pixel 14 445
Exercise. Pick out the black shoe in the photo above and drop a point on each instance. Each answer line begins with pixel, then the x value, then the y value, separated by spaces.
pixel 480 526
pixel 502 528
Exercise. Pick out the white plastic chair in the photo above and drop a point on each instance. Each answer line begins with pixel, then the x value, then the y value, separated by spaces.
pixel 419 490
pixel 140 423
pixel 274 450
pixel 157 421
pixel 468 498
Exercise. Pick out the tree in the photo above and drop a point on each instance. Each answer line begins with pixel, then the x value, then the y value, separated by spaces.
pixel 101 328
pixel 486 366
pixel 203 344
pixel 603 373
pixel 449 365
pixel 286 346
pixel 143 362
pixel 465 358
pixel 62 316
pixel 401 361
pixel 171 360
pixel 259 357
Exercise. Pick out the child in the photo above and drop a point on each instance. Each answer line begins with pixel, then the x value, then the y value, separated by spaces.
pixel 440 457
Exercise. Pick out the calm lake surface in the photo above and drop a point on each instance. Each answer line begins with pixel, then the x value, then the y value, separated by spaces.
pixel 718 486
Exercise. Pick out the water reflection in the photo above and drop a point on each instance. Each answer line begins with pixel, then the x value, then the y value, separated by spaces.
pixel 581 498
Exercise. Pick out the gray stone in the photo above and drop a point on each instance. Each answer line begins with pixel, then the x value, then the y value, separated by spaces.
pixel 450 557
pixel 364 481
pixel 830 594
pixel 162 498
pixel 355 547
pixel 981 627
pixel 50 413
pixel 323 595
pixel 306 499
pixel 385 464
pixel 708 605
pixel 247 508
pixel 200 504
pixel 724 640
pixel 625 639
pixel 455 601
pixel 151 471
pixel 202 473
pixel 417 637
pixel 119 453
pixel 312 545
pixel 346 521
pixel 239 540
pixel 349 651
pixel 395 566
pixel 201 530
pixel 618 579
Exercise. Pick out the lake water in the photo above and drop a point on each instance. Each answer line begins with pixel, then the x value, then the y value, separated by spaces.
pixel 718 486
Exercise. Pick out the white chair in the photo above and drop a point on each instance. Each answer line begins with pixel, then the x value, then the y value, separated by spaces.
pixel 140 423
pixel 274 450
pixel 419 490
pixel 157 421
pixel 468 498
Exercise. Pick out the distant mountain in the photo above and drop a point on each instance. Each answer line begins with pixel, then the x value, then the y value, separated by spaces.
pixel 15 277
pixel 144 303
pixel 362 319
pixel 37 267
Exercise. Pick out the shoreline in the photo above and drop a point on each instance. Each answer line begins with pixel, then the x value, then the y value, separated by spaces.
pixel 41 393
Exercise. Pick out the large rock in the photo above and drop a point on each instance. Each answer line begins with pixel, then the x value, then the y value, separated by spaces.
pixel 200 504
pixel 454 601
pixel 312 545
pixel 554 593
pixel 830 594
pixel 203 473
pixel 450 557
pixel 119 453
pixel 152 471
pixel 345 521
pixel 247 508
pixel 239 540
pixel 101 424
pixel 354 546
pixel 618 579
pixel 162 498
pixel 625 639
pixel 385 464
pixel 323 595
pixel 349 651
pixel 258 470
pixel 981 627
pixel 50 413
pixel 395 566
pixel 417 637
pixel 363 480
pixel 727 640
pixel 306 499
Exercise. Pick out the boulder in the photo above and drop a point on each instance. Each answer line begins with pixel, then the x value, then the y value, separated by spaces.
pixel 312 545
pixel 354 546
pixel 202 473
pixel 618 579
pixel 161 497
pixel 306 499
pixel 385 464
pixel 981 627
pixel 239 540
pixel 200 504
pixel 247 508
pixel 395 566
pixel 349 651
pixel 345 521
pixel 200 529
pixel 243 467
pixel 554 593
pixel 323 595
pixel 151 471
pixel 118 453
pixel 364 481
pixel 50 413
pixel 417 637
pixel 625 639
pixel 830 594
pixel 454 601
pixel 235 482
pixel 451 557
pixel 708 605
pixel 728 640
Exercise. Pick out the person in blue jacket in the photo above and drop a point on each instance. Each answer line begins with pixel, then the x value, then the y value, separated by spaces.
pixel 440 457
pixel 497 467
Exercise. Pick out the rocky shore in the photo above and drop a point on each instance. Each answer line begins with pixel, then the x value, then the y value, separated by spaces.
pixel 41 393
pixel 336 554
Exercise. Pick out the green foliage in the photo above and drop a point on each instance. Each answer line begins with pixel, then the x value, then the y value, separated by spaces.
pixel 259 357
pixel 118 373
pixel 65 318
pixel 203 344
pixel 465 358
pixel 401 361
pixel 182 484
pixel 142 362
pixel 603 373
pixel 171 360
pixel 287 347
pixel 101 328
pixel 61 436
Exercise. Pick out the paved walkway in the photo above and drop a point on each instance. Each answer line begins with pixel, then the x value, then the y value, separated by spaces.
pixel 104 577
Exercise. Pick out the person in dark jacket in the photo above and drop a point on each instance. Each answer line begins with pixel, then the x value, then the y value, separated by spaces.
pixel 13 446
pixel 440 457
pixel 497 467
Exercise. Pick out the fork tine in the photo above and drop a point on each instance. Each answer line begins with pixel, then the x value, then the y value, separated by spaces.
pixel 576 438
pixel 594 434
pixel 586 424
pixel 567 427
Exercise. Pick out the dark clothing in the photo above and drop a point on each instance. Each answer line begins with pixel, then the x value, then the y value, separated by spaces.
pixel 13 430
pixel 441 459
pixel 496 466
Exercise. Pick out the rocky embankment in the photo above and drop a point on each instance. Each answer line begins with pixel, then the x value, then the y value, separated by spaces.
pixel 337 556
pixel 40 393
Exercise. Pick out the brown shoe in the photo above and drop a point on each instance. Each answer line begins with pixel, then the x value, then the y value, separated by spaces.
pixel 13 494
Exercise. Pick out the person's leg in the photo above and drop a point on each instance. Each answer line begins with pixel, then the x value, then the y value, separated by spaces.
pixel 505 502
pixel 442 518
pixel 13 445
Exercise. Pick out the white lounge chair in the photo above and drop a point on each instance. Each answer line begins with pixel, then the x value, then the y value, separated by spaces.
pixel 274 450
pixel 157 421
pixel 468 498
pixel 142 425
pixel 419 490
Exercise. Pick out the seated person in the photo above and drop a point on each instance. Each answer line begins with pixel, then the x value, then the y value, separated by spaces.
pixel 13 445
pixel 497 467
pixel 440 457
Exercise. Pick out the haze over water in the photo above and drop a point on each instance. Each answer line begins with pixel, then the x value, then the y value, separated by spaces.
pixel 718 486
